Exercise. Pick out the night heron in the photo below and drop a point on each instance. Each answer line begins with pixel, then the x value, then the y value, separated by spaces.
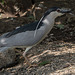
pixel 31 34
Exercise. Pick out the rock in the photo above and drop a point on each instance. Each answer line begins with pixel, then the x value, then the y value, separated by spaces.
pixel 7 57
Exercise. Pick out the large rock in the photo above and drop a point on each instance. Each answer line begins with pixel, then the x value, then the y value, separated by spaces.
pixel 7 57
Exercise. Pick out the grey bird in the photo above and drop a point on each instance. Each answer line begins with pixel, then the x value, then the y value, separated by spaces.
pixel 30 35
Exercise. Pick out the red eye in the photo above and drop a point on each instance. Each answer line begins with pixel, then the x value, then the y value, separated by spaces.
pixel 58 10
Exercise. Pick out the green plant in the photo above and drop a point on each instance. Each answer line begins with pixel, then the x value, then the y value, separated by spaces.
pixel 60 26
pixel 3 2
pixel 44 63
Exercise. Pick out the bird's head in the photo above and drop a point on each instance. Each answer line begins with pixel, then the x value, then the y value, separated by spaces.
pixel 56 11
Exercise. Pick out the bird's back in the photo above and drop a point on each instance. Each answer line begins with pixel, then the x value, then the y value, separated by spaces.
pixel 24 28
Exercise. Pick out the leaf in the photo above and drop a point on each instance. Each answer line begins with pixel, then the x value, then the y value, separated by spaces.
pixel 44 63
pixel 59 45
pixel 31 17
pixel 3 2
pixel 61 26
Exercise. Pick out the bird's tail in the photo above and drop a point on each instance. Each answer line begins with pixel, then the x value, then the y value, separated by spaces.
pixel 0 43
pixel 2 39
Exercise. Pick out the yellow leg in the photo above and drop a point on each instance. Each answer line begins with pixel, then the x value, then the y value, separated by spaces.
pixel 24 55
pixel 27 61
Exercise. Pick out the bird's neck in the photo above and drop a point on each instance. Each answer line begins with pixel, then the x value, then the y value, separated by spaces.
pixel 49 21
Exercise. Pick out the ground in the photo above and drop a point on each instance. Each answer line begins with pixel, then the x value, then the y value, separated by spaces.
pixel 55 55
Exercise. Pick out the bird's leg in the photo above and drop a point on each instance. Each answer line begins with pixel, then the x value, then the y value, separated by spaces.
pixel 27 61
pixel 24 55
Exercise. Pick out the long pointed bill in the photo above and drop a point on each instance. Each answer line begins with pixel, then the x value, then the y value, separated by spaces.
pixel 65 10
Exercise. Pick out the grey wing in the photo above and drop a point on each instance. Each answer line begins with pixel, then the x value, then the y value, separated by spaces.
pixel 23 37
